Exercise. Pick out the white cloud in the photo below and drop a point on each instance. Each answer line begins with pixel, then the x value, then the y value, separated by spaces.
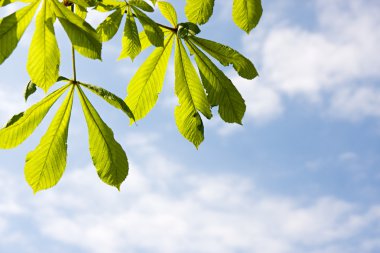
pixel 166 207
pixel 356 103
pixel 333 66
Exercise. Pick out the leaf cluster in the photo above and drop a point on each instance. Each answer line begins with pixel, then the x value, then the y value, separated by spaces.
pixel 199 85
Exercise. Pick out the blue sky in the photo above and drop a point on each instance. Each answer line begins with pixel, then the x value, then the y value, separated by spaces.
pixel 301 175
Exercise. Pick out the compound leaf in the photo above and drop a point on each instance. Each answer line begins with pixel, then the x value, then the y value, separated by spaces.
pixel 107 154
pixel 247 13
pixel 191 96
pixel 82 36
pixel 131 46
pixel 199 11
pixel 45 165
pixel 110 98
pixel 44 55
pixel 147 83
pixel 12 27
pixel 226 55
pixel 220 89
pixel 19 130
pixel 168 12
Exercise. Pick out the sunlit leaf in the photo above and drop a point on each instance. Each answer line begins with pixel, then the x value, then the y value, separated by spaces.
pixel 45 165
pixel 131 46
pixel 82 3
pixel 108 28
pixel 111 98
pixel 192 98
pixel 142 5
pixel 44 55
pixel 221 91
pixel 145 43
pixel 199 11
pixel 83 37
pixel 168 12
pixel 81 11
pixel 152 30
pixel 247 13
pixel 12 27
pixel 226 55
pixel 14 134
pixel 146 84
pixel 107 154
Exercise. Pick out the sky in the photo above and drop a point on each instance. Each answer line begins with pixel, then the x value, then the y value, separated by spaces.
pixel 301 175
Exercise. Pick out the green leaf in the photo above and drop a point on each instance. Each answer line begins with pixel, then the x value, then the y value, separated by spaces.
pixel 145 43
pixel 147 83
pixel 220 89
pixel 152 30
pixel 142 5
pixel 44 56
pixel 6 2
pixel 154 2
pixel 111 98
pixel 131 46
pixel 192 98
pixel 108 28
pixel 226 55
pixel 247 13
pixel 45 165
pixel 29 90
pixel 82 3
pixel 83 37
pixel 19 130
pixel 14 119
pixel 81 11
pixel 168 12
pixel 108 5
pixel 107 155
pixel 187 29
pixel 199 11
pixel 12 27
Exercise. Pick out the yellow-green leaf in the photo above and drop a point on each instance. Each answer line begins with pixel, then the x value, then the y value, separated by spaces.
pixel 44 55
pixel 145 43
pixel 221 91
pixel 247 13
pixel 108 28
pixel 147 83
pixel 83 37
pixel 226 55
pixel 192 97
pixel 131 46
pixel 152 30
pixel 199 11
pixel 168 12
pixel 12 27
pixel 14 134
pixel 110 98
pixel 45 165
pixel 107 154
pixel 142 5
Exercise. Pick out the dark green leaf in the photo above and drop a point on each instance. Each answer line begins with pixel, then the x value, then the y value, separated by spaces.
pixel 29 90
pixel 111 98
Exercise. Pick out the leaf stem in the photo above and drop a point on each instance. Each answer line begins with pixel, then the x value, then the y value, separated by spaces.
pixel 167 27
pixel 73 55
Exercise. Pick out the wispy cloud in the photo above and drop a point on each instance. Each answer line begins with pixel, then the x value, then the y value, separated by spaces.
pixel 167 207
pixel 332 65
